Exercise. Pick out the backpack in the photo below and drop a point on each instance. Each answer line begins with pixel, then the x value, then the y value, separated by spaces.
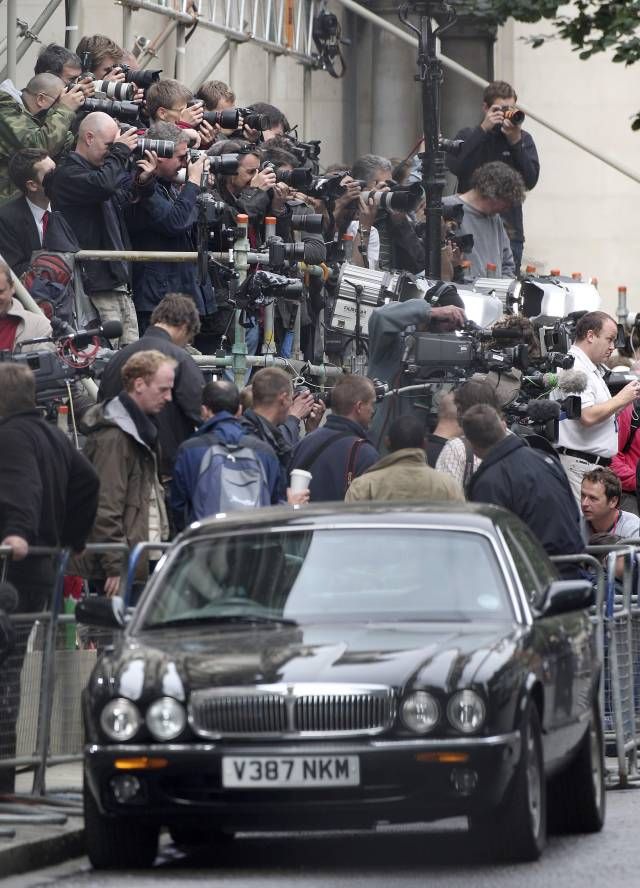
pixel 54 278
pixel 231 477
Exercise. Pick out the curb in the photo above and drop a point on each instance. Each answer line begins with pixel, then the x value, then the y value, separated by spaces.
pixel 23 856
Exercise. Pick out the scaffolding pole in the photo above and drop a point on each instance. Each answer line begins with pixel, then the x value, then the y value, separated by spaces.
pixel 12 39
pixel 398 32
pixel 26 42
pixel 72 25
pixel 210 67
pixel 181 52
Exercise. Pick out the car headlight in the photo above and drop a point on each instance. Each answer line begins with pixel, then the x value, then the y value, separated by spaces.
pixel 166 718
pixel 466 712
pixel 420 712
pixel 120 719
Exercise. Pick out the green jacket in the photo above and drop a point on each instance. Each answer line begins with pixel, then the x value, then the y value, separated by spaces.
pixel 20 129
pixel 404 476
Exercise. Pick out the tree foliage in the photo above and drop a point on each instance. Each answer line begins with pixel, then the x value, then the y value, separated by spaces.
pixel 590 26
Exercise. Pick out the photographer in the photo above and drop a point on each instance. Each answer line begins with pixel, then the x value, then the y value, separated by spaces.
pixel 169 101
pixel 92 187
pixel 164 222
pixel 593 439
pixel 495 187
pixel 387 347
pixel 498 137
pixel 40 116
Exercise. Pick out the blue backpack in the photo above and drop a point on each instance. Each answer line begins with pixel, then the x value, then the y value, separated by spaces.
pixel 231 477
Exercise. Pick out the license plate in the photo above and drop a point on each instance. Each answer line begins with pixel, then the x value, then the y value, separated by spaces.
pixel 308 772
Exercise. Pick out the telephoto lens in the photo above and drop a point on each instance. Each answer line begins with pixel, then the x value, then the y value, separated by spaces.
pixel 162 147
pixel 299 178
pixel 229 119
pixel 142 79
pixel 121 91
pixel 515 115
pixel 125 111
pixel 224 164
pixel 309 222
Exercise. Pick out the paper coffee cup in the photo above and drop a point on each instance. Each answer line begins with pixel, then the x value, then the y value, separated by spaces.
pixel 300 480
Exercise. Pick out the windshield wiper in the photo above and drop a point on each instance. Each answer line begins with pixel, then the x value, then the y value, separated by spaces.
pixel 239 619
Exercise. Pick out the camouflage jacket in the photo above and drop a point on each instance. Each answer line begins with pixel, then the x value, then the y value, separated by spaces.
pixel 20 129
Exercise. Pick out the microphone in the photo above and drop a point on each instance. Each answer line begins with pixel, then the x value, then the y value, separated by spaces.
pixel 571 381
pixel 543 411
pixel 108 330
pixel 8 598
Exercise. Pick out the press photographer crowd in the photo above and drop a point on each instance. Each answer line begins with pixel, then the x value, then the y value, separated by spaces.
pixel 489 383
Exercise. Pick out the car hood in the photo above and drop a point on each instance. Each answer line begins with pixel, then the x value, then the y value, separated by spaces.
pixel 174 662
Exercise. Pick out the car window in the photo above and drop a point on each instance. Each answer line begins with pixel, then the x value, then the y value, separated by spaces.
pixel 536 572
pixel 333 574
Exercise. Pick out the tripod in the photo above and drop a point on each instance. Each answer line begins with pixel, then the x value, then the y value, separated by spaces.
pixel 431 75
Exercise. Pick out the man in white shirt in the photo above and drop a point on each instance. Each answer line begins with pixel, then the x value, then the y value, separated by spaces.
pixel 601 492
pixel 24 220
pixel 593 439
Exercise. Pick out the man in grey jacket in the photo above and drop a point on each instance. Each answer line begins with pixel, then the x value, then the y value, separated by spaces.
pixel 495 188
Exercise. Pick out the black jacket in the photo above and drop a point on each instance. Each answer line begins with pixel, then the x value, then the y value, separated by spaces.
pixel 181 416
pixel 329 467
pixel 93 201
pixel 535 488
pixel 165 222
pixel 480 147
pixel 19 236
pixel 48 490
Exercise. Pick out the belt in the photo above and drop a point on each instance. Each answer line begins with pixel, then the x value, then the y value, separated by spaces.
pixel 588 457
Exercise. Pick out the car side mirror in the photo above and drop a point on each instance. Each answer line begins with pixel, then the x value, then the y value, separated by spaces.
pixel 107 613
pixel 564 596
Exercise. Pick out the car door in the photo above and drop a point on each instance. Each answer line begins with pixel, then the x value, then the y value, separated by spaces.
pixel 554 642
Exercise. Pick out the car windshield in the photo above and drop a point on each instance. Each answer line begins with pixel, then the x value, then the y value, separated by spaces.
pixel 301 576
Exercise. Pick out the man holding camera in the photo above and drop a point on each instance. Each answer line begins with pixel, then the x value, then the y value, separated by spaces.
pixel 40 116
pixel 164 222
pixel 499 136
pixel 593 439
pixel 92 188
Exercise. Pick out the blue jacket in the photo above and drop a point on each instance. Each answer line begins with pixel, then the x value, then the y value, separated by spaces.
pixel 329 469
pixel 165 222
pixel 221 427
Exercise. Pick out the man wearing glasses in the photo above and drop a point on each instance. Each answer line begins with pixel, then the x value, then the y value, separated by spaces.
pixel 39 116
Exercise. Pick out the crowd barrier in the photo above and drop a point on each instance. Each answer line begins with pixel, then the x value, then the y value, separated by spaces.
pixel 42 679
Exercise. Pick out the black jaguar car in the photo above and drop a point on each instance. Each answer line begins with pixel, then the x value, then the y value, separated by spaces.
pixel 338 667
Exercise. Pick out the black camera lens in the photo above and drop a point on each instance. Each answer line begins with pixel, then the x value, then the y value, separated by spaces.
pixel 253 120
pixel 326 187
pixel 162 147
pixel 225 164
pixel 300 178
pixel 126 111
pixel 113 90
pixel 310 222
pixel 229 119
pixel 143 79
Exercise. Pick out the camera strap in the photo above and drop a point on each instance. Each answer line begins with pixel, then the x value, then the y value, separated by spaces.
pixel 315 453
pixel 351 462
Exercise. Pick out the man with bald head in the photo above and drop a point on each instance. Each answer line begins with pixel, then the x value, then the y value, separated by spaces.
pixel 39 116
pixel 92 187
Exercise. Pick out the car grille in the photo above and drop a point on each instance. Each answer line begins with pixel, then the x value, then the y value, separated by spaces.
pixel 292 710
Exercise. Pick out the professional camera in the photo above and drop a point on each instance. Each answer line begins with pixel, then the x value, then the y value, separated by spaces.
pixel 557 335
pixel 515 115
pixel 213 210
pixel 299 178
pixel 403 198
pixel 453 213
pixel 464 242
pixel 224 164
pixel 253 120
pixel 454 355
pixel 312 223
pixel 124 111
pixel 307 153
pixel 162 147
pixel 265 287
pixel 327 187
pixel 281 253
pixel 451 146
pixel 112 90
pixel 140 78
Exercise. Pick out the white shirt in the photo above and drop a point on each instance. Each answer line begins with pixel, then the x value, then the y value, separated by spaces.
pixel 373 247
pixel 38 214
pixel 602 438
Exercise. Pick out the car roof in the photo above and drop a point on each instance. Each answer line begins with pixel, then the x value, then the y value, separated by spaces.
pixel 470 516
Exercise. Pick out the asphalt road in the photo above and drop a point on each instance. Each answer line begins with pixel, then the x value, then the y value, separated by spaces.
pixel 433 856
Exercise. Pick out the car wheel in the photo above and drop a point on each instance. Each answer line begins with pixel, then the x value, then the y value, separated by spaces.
pixel 518 828
pixel 118 842
pixel 577 796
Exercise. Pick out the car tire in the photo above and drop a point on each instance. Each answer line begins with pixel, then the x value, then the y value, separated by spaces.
pixel 117 842
pixel 576 798
pixel 185 835
pixel 517 829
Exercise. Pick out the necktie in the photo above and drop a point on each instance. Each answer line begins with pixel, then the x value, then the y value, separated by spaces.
pixel 45 224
